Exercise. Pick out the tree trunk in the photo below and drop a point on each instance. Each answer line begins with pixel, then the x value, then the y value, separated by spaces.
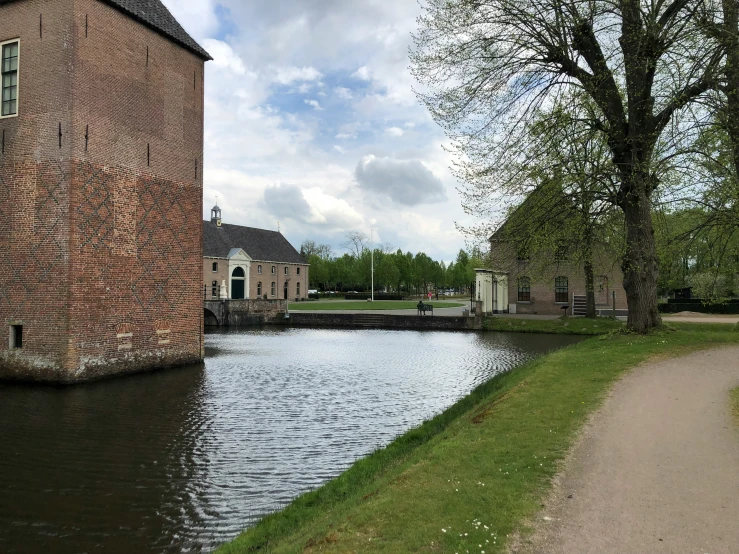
pixel 639 264
pixel 589 288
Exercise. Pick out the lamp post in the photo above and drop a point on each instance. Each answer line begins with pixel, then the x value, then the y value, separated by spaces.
pixel 287 297
pixel 372 264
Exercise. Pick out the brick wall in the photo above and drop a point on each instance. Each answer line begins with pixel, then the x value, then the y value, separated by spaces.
pixel 542 273
pixel 104 266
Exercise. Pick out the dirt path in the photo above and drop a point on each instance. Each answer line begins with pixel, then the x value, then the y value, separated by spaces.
pixel 657 468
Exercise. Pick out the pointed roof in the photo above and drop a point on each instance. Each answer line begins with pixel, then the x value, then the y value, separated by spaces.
pixel 155 15
pixel 259 244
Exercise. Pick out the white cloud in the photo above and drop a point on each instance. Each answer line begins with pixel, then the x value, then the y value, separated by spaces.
pixel 290 75
pixel 198 18
pixel 343 93
pixel 394 131
pixel 362 73
pixel 339 149
pixel 224 57
pixel 314 104
pixel 346 136
pixel 408 182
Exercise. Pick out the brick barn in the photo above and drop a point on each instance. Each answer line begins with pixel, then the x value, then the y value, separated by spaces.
pixel 101 168
pixel 245 262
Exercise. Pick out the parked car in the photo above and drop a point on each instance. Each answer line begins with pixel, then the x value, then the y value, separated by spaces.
pixel 312 291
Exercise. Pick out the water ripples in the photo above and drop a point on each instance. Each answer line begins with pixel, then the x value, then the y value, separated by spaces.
pixel 182 460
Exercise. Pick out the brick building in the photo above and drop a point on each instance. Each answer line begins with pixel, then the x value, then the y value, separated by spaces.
pixel 101 180
pixel 538 258
pixel 244 262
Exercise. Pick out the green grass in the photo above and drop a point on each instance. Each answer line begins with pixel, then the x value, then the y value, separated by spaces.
pixel 475 473
pixel 364 305
pixel 565 326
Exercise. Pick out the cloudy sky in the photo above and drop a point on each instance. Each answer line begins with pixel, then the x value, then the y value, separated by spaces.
pixel 311 121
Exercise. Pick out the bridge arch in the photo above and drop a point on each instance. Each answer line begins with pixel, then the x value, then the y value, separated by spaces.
pixel 210 319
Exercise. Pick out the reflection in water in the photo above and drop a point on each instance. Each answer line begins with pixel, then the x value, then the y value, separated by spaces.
pixel 181 460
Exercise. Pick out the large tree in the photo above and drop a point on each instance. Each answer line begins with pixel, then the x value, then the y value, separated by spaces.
pixel 489 67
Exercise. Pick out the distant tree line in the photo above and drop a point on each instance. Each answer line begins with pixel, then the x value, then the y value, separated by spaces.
pixel 395 270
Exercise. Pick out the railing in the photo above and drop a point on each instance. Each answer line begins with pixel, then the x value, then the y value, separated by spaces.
pixel 212 292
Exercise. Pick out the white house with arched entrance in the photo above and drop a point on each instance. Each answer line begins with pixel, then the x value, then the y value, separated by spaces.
pixel 239 268
pixel 250 263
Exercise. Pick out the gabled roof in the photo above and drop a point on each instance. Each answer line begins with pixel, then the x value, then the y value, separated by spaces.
pixel 259 244
pixel 155 15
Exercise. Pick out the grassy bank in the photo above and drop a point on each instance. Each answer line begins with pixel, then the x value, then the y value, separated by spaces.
pixel 466 479
pixel 364 305
pixel 563 326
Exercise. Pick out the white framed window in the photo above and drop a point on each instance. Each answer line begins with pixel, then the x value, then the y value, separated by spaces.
pixel 259 269
pixel 273 270
pixel 9 59
pixel 287 270
pixel 274 288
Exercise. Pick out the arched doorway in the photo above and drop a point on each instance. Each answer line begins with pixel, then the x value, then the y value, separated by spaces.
pixel 238 284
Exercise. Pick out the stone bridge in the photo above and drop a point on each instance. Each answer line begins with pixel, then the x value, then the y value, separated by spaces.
pixel 227 313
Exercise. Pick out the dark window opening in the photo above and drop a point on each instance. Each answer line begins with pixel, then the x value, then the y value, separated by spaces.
pixel 561 289
pixel 215 266
pixel 524 289
pixel 9 73
pixel 561 253
pixel 522 253
pixel 16 336
pixel 298 270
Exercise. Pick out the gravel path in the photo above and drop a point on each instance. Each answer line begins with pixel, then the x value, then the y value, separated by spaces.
pixel 656 469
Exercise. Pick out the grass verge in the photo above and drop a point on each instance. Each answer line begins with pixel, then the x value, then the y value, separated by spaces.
pixel 468 478
pixel 363 305
pixel 561 326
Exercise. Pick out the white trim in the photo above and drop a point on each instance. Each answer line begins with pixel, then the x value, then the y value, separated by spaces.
pixel 18 85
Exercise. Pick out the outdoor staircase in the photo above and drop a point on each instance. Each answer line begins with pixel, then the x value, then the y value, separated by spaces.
pixel 369 320
pixel 579 305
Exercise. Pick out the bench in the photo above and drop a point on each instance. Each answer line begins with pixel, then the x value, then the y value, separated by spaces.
pixel 426 308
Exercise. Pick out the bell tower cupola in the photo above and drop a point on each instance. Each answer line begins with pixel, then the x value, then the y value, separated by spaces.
pixel 215 215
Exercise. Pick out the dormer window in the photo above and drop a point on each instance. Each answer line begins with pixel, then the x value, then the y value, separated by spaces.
pixel 9 78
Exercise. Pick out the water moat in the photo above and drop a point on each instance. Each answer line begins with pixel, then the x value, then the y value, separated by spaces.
pixel 183 460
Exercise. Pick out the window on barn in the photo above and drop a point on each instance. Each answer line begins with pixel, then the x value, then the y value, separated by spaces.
pixel 9 78
pixel 522 253
pixel 560 255
pixel 524 289
pixel 561 289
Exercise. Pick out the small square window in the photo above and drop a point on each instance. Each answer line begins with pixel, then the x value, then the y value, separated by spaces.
pixel 16 336
pixel 215 267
